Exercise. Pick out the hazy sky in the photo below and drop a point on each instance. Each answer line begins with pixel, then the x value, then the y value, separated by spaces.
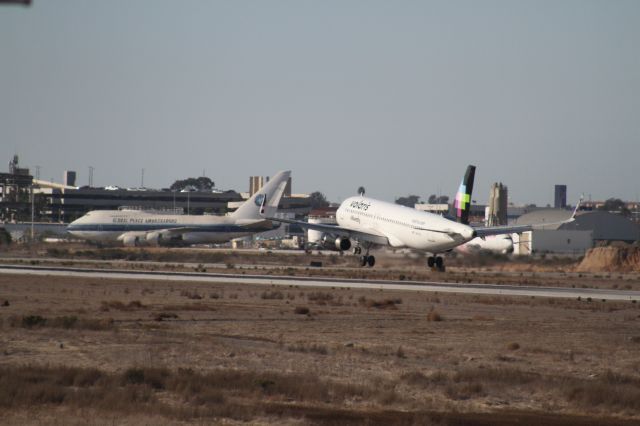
pixel 396 96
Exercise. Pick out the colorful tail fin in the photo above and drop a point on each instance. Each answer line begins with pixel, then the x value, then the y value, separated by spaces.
pixel 462 203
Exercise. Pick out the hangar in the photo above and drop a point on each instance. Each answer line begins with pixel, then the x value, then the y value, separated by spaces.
pixel 590 228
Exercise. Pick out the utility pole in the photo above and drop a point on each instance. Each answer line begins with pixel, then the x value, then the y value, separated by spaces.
pixel 32 211
pixel 142 179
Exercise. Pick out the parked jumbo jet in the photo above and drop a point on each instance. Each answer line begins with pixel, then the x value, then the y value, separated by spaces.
pixel 369 222
pixel 135 227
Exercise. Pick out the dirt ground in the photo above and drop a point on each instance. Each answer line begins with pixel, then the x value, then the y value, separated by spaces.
pixel 168 353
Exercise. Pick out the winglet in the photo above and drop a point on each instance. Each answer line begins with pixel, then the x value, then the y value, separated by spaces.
pixel 575 210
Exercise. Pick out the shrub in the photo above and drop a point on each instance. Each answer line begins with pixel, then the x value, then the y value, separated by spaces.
pixel 272 295
pixel 434 316
pixel 513 346
pixel 301 310
pixel 31 321
pixel 380 304
pixel 165 315
pixel 105 306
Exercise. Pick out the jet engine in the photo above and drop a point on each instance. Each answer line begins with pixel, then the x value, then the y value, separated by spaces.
pixel 336 243
pixel 154 238
pixel 131 240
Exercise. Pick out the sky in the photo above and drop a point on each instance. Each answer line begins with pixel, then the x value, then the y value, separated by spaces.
pixel 398 97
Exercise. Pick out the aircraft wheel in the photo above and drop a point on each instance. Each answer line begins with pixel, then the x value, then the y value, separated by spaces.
pixel 431 261
pixel 363 261
pixel 371 261
pixel 440 264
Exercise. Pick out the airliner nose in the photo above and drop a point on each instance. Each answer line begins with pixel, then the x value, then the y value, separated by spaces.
pixel 73 226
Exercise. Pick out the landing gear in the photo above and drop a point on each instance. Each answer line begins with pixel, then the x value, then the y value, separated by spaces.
pixel 367 261
pixel 436 262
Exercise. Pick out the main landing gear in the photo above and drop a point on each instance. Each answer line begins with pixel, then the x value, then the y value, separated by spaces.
pixel 436 262
pixel 365 260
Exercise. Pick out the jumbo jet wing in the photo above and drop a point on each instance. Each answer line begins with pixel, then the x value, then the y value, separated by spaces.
pixel 374 237
pixel 516 229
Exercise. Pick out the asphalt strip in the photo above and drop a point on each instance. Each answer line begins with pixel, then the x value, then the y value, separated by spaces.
pixel 428 286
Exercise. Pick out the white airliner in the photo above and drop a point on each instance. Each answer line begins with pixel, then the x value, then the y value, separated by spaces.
pixel 369 222
pixel 136 227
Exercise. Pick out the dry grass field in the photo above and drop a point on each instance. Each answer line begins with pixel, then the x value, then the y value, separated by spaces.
pixel 104 351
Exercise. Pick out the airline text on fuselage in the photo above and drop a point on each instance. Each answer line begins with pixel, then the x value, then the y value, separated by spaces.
pixel 143 220
pixel 360 205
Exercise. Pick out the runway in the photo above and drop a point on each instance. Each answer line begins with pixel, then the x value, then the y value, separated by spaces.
pixel 428 286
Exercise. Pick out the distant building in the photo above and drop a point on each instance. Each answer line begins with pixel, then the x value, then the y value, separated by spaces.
pixel 496 213
pixel 69 204
pixel 287 189
pixel 441 209
pixel 255 183
pixel 588 229
pixel 14 168
pixel 560 197
pixel 69 178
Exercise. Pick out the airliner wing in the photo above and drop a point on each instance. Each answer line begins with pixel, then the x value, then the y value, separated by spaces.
pixel 176 231
pixel 374 238
pixel 497 230
pixel 516 229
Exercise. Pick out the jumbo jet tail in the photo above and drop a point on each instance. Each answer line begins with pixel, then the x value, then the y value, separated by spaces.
pixel 264 203
pixel 462 203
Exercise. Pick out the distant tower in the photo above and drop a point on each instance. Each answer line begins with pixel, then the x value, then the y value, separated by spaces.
pixel 497 208
pixel 90 176
pixel 287 189
pixel 14 168
pixel 69 178
pixel 560 198
pixel 13 165
pixel 255 183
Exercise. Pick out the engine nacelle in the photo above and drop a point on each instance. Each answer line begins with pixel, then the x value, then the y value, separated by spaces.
pixel 131 240
pixel 343 244
pixel 336 243
pixel 154 238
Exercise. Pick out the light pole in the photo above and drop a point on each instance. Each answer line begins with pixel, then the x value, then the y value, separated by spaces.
pixel 32 211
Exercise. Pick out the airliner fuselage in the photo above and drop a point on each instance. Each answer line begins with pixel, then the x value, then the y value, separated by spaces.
pixel 402 226
pixel 133 227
